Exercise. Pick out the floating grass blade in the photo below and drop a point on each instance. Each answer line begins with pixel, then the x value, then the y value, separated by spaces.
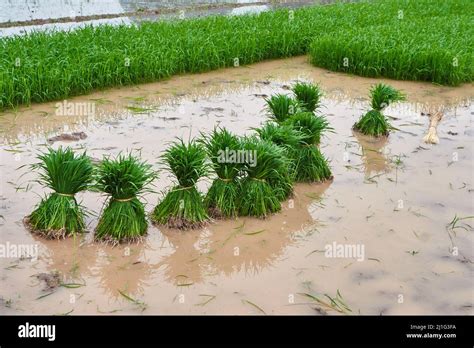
pixel 374 123
pixel 308 96
pixel 59 214
pixel 123 179
pixel 223 148
pixel 183 205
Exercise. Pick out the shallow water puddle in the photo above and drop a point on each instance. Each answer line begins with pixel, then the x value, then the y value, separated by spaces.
pixel 391 199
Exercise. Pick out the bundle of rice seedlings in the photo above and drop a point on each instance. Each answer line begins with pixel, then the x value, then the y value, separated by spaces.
pixel 123 179
pixel 281 107
pixel 259 192
pixel 308 96
pixel 183 206
pixel 289 139
pixel 59 215
pixel 311 165
pixel 223 148
pixel 311 126
pixel 374 123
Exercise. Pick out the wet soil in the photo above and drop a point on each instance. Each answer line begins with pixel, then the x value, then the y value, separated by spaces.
pixel 395 196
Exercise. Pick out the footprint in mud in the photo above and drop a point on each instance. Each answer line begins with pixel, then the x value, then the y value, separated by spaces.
pixel 75 136
pixel 52 280
pixel 210 109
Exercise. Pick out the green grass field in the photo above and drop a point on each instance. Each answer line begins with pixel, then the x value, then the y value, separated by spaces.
pixel 43 67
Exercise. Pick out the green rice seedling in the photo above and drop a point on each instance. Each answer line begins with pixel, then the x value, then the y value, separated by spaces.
pixel 308 96
pixel 310 164
pixel 433 42
pixel 222 148
pixel 281 107
pixel 260 194
pixel 123 179
pixel 311 126
pixel 374 123
pixel 59 214
pixel 289 139
pixel 429 48
pixel 183 205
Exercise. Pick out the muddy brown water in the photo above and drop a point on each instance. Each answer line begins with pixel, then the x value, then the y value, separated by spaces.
pixel 393 196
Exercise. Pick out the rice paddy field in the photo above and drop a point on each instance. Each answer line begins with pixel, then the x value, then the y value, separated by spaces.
pixel 358 200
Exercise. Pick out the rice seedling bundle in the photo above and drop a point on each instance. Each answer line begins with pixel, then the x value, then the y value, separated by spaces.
pixel 374 123
pixel 289 139
pixel 308 96
pixel 310 164
pixel 223 148
pixel 183 205
pixel 261 188
pixel 123 180
pixel 97 57
pixel 59 214
pixel 281 107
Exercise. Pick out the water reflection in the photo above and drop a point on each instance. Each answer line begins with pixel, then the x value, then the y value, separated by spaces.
pixel 373 156
pixel 245 246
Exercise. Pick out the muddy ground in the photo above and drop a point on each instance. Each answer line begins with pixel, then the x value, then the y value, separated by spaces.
pixel 395 197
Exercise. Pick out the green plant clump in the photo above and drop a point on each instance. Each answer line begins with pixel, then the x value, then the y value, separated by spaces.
pixel 289 139
pixel 183 205
pixel 308 96
pixel 123 179
pixel 310 164
pixel 59 214
pixel 281 107
pixel 374 123
pixel 437 49
pixel 431 42
pixel 263 185
pixel 223 148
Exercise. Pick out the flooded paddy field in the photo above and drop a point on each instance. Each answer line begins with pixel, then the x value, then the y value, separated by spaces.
pixel 397 200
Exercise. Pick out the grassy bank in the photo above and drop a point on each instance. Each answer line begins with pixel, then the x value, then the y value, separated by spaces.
pixel 42 67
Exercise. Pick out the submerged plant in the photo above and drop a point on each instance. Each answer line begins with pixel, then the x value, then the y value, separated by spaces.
pixel 308 96
pixel 183 205
pixel 374 123
pixel 281 107
pixel 123 179
pixel 310 164
pixel 222 148
pixel 263 184
pixel 59 215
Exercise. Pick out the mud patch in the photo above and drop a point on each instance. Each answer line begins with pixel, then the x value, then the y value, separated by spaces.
pixel 400 198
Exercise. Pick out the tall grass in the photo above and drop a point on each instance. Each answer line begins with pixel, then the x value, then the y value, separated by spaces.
pixel 438 49
pixel 58 65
